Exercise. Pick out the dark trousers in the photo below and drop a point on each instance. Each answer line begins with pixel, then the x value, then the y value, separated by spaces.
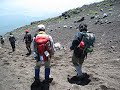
pixel 13 45
pixel 28 46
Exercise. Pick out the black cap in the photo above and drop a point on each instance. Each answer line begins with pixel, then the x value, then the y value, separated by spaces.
pixel 82 27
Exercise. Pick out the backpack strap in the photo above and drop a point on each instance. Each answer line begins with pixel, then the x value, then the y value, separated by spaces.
pixel 83 35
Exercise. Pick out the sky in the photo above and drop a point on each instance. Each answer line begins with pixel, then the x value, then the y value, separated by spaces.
pixel 35 8
pixel 17 13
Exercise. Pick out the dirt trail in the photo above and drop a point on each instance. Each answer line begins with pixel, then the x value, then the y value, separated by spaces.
pixel 103 65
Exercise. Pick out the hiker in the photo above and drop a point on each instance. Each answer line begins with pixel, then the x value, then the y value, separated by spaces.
pixel 81 46
pixel 28 40
pixel 43 50
pixel 2 40
pixel 12 41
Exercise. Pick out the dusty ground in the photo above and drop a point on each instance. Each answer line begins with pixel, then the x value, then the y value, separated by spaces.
pixel 103 65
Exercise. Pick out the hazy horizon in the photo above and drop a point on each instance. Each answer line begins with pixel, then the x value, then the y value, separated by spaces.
pixel 17 13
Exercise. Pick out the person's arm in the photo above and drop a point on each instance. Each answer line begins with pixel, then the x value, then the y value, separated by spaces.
pixel 76 41
pixel 24 38
pixel 31 38
pixel 14 38
pixel 9 38
pixel 35 52
pixel 52 45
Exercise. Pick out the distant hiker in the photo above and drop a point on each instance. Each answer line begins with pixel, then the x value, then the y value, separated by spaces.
pixel 2 40
pixel 12 41
pixel 43 50
pixel 82 45
pixel 28 40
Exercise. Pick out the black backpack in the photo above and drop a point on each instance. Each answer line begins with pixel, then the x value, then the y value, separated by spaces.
pixel 12 39
pixel 88 40
pixel 28 38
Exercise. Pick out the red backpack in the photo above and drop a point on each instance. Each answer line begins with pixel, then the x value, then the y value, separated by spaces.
pixel 43 43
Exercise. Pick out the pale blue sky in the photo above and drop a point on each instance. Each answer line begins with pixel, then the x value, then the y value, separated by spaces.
pixel 40 7
pixel 16 13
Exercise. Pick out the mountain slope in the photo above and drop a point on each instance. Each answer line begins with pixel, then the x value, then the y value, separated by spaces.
pixel 17 70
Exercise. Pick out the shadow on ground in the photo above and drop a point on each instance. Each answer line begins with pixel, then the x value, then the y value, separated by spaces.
pixel 84 81
pixel 40 85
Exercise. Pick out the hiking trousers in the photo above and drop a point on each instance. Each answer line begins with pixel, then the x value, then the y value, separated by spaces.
pixel 28 46
pixel 77 60
pixel 13 45
pixel 39 64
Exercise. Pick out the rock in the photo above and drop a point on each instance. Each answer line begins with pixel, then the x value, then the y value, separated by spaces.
pixel 65 26
pixel 70 27
pixel 105 15
pixel 101 10
pixel 92 17
pixel 82 19
pixel 57 46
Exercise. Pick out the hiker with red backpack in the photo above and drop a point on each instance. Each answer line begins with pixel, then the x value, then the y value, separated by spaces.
pixel 28 40
pixel 82 44
pixel 43 50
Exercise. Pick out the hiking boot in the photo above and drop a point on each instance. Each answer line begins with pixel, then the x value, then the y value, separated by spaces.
pixel 36 83
pixel 49 80
pixel 80 78
pixel 85 75
pixel 13 49
pixel 28 54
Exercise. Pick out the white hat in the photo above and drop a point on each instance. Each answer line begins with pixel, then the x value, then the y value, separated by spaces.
pixel 41 27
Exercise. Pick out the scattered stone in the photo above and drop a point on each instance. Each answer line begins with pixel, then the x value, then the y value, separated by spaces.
pixel 82 19
pixel 105 15
pixel 65 26
pixel 103 87
pixel 70 27
pixel 57 46
pixel 51 30
pixel 101 10
pixel 92 17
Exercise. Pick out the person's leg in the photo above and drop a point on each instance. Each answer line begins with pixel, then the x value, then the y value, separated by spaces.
pixel 77 65
pixel 47 69
pixel 13 46
pixel 28 46
pixel 29 49
pixel 37 70
pixel 47 72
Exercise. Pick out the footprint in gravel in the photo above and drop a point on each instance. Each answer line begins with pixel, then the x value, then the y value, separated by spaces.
pixel 53 83
pixel 94 80
pixel 103 87
pixel 5 62
pixel 57 58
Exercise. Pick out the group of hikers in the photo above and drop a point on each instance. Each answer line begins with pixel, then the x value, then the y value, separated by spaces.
pixel 43 49
pixel 2 40
pixel 11 39
pixel 27 39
